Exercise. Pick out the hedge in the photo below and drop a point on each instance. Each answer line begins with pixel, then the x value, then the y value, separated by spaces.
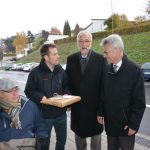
pixel 129 30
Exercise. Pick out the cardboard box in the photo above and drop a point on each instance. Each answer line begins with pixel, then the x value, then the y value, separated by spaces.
pixel 61 101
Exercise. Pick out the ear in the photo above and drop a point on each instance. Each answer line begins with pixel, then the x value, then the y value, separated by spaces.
pixel 45 57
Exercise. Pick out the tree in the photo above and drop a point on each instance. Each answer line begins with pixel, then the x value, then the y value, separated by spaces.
pixel 20 42
pixel 77 29
pixel 139 18
pixel 45 34
pixel 67 29
pixel 55 31
pixel 9 44
pixel 38 42
pixel 123 21
pixel 112 19
pixel 148 8
pixel 30 37
pixel 119 21
pixel 2 47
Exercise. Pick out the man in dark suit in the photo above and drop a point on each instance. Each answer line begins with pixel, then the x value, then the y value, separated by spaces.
pixel 123 97
pixel 85 70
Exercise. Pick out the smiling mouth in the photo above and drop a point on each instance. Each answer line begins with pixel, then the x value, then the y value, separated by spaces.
pixel 84 48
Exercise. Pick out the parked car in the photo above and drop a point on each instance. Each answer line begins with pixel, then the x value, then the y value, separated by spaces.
pixel 8 66
pixel 13 59
pixel 17 66
pixel 146 70
pixel 29 66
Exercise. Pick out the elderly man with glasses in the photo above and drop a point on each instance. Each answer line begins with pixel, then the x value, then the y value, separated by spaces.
pixel 85 74
pixel 123 99
pixel 21 124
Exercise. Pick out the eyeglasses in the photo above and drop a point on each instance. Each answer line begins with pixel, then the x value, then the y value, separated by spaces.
pixel 16 89
pixel 84 41
pixel 106 52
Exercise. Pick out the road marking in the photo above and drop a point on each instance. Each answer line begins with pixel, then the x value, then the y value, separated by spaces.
pixel 147 105
pixel 21 81
pixel 143 136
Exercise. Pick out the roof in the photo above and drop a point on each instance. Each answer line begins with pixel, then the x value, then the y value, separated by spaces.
pixel 87 26
pixel 98 19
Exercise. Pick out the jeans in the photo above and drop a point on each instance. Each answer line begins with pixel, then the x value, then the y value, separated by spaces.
pixel 60 126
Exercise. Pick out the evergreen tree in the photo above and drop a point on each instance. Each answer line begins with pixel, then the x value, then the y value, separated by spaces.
pixel 76 29
pixel 64 30
pixel 67 29
pixel 30 37
pixel 45 35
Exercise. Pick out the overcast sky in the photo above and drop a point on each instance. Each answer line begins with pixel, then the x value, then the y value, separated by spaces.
pixel 36 15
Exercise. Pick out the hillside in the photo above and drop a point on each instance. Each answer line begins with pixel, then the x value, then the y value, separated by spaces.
pixel 137 47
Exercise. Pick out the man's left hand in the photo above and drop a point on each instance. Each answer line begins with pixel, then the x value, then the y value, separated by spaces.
pixel 130 131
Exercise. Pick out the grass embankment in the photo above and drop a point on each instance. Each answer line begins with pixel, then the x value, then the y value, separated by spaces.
pixel 137 47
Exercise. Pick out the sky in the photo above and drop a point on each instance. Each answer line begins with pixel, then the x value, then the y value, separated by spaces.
pixel 37 15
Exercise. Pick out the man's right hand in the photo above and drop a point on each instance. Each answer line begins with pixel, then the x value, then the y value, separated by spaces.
pixel 43 98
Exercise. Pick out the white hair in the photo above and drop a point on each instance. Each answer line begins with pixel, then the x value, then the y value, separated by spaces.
pixel 114 40
pixel 84 33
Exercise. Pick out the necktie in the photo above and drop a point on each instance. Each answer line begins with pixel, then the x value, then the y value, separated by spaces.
pixel 115 68
pixel 84 62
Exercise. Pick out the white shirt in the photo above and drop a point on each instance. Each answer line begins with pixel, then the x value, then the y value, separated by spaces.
pixel 118 64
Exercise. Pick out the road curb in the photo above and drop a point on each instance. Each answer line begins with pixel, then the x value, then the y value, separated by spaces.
pixel 143 136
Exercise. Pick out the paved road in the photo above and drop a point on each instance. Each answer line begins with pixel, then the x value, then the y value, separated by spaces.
pixel 147 91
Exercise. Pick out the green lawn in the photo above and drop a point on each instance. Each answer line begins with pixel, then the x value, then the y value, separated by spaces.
pixel 137 47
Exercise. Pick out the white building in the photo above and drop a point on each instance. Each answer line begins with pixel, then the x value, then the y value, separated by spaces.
pixel 97 25
pixel 52 38
pixel 23 53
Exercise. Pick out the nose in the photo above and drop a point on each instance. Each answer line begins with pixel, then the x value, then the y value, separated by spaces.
pixel 83 43
pixel 15 93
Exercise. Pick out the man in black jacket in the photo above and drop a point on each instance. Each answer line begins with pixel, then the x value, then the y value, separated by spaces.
pixel 124 96
pixel 85 70
pixel 44 81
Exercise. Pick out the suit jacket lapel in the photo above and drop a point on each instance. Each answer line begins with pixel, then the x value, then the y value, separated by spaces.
pixel 78 66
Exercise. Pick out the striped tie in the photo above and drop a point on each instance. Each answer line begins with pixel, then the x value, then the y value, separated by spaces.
pixel 115 68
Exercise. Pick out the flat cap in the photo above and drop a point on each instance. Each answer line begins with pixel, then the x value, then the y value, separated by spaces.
pixel 6 84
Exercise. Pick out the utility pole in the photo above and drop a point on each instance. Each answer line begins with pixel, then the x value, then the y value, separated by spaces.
pixel 112 27
pixel 1 57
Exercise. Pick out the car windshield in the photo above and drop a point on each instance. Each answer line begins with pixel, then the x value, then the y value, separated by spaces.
pixel 146 66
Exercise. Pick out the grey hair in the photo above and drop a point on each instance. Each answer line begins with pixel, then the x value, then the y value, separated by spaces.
pixel 114 40
pixel 84 33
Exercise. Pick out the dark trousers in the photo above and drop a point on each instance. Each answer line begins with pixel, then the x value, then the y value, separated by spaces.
pixel 60 126
pixel 122 142
pixel 81 143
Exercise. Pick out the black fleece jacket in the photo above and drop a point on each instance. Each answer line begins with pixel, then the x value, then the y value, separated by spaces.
pixel 43 82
